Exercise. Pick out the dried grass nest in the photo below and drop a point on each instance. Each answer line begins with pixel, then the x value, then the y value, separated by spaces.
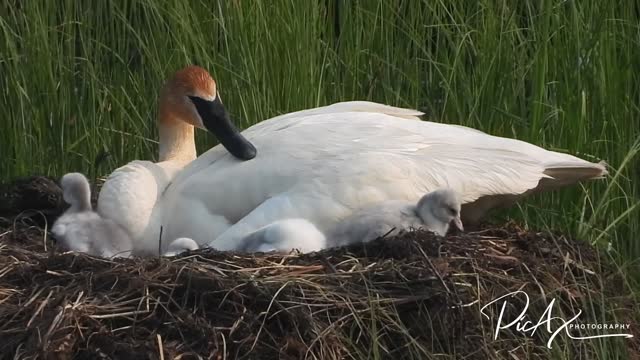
pixel 415 296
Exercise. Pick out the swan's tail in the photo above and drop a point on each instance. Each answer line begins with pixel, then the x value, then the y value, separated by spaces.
pixel 562 171
pixel 570 172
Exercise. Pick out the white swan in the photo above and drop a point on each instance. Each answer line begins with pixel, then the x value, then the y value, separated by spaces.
pixel 322 164
pixel 130 194
pixel 284 236
pixel 434 211
pixel 82 230
pixel 319 164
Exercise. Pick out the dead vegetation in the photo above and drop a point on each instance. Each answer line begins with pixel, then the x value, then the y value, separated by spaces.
pixel 416 296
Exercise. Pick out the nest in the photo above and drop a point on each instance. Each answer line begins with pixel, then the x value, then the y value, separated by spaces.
pixel 414 296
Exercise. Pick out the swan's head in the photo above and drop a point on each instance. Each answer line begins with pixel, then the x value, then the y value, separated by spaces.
pixel 76 191
pixel 181 245
pixel 191 96
pixel 442 205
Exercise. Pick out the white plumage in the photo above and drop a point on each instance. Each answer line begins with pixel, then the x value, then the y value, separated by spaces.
pixel 284 236
pixel 181 245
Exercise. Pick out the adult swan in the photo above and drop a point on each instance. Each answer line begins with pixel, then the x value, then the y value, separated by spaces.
pixel 324 163
pixel 132 193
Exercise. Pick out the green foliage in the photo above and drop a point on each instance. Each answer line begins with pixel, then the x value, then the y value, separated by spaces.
pixel 77 78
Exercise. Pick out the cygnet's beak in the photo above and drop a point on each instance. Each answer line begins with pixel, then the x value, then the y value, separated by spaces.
pixel 216 119
pixel 458 223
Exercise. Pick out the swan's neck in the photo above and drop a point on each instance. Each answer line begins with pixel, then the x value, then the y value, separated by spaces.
pixel 82 205
pixel 79 198
pixel 176 141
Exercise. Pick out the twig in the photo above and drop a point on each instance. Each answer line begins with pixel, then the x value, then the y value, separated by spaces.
pixel 160 347
pixel 160 242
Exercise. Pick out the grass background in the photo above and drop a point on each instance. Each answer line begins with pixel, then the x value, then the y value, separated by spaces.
pixel 78 78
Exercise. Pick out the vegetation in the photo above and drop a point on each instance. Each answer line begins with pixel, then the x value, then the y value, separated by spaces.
pixel 80 78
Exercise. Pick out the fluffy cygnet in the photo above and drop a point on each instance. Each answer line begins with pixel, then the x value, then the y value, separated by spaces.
pixel 181 245
pixel 284 236
pixel 434 211
pixel 83 230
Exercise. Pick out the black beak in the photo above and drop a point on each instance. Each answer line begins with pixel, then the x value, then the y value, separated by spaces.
pixel 216 119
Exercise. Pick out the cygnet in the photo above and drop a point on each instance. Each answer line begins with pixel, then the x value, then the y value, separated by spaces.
pixel 81 229
pixel 434 211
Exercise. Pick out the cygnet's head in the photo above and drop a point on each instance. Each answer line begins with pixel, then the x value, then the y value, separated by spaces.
pixel 76 191
pixel 442 205
pixel 181 245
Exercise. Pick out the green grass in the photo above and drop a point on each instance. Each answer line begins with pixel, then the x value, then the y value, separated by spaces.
pixel 79 78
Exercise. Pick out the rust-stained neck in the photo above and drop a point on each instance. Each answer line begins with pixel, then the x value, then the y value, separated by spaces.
pixel 177 116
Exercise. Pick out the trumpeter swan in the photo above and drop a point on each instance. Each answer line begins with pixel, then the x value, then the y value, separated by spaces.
pixel 323 164
pixel 132 192
pixel 319 164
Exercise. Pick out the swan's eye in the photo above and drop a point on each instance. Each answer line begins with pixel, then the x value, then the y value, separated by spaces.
pixel 452 211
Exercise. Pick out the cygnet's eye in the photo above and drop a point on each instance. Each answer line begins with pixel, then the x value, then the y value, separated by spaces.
pixel 452 211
